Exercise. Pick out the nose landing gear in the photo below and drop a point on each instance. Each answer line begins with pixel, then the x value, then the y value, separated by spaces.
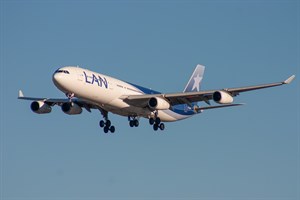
pixel 70 95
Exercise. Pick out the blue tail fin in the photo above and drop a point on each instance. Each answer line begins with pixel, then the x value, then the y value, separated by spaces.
pixel 195 81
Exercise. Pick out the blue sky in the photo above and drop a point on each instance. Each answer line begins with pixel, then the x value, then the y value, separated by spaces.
pixel 249 152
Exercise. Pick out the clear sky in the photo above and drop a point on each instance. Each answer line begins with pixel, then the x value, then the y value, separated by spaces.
pixel 248 152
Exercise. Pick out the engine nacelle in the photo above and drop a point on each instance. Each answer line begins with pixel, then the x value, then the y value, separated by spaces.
pixel 40 107
pixel 71 108
pixel 156 103
pixel 222 97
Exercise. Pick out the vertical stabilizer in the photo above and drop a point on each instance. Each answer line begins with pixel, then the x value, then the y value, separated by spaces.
pixel 195 81
pixel 20 94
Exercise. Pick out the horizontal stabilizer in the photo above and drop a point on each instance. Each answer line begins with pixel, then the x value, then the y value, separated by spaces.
pixel 221 106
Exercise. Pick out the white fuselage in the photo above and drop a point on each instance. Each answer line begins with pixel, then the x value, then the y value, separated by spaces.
pixel 106 92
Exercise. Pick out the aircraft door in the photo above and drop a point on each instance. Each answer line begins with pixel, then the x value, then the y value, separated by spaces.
pixel 80 76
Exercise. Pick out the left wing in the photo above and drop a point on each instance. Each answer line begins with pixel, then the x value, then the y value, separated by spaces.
pixel 52 101
pixel 190 97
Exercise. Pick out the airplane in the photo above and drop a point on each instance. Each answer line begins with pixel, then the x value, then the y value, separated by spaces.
pixel 90 90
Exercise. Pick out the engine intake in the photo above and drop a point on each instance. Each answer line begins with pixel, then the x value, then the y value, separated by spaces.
pixel 71 108
pixel 156 103
pixel 222 97
pixel 40 107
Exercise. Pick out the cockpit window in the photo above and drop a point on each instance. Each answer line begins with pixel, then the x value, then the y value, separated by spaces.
pixel 62 71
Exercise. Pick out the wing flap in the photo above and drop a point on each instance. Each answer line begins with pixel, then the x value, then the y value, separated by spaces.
pixel 219 106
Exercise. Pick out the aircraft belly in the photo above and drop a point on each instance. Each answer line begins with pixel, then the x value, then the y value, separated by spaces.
pixel 170 116
pixel 119 107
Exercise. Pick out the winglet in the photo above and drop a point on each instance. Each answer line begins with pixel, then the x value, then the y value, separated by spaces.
pixel 21 94
pixel 289 80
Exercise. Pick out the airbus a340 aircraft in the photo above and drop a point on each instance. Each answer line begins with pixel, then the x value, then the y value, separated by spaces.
pixel 91 90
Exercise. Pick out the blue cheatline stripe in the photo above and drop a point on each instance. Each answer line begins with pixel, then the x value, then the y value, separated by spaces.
pixel 182 109
pixel 175 115
pixel 144 90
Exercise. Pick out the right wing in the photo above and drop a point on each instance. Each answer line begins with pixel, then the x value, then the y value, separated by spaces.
pixel 190 97
pixel 46 100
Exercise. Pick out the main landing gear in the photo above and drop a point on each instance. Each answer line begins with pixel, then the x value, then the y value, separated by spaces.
pixel 106 123
pixel 133 121
pixel 156 122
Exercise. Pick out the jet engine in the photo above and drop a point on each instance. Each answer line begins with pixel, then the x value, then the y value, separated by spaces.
pixel 40 107
pixel 222 97
pixel 71 108
pixel 156 103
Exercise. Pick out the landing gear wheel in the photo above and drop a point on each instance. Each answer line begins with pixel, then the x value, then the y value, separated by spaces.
pixel 131 123
pixel 108 123
pixel 151 121
pixel 136 123
pixel 155 127
pixel 162 126
pixel 157 120
pixel 106 129
pixel 112 129
pixel 101 123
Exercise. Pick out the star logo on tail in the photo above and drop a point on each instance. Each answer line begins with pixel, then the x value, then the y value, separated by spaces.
pixel 197 80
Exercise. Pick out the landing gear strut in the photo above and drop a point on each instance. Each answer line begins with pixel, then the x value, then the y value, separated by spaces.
pixel 156 122
pixel 106 123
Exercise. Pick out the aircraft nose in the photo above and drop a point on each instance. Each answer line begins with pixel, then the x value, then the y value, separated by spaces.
pixel 61 79
pixel 57 79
